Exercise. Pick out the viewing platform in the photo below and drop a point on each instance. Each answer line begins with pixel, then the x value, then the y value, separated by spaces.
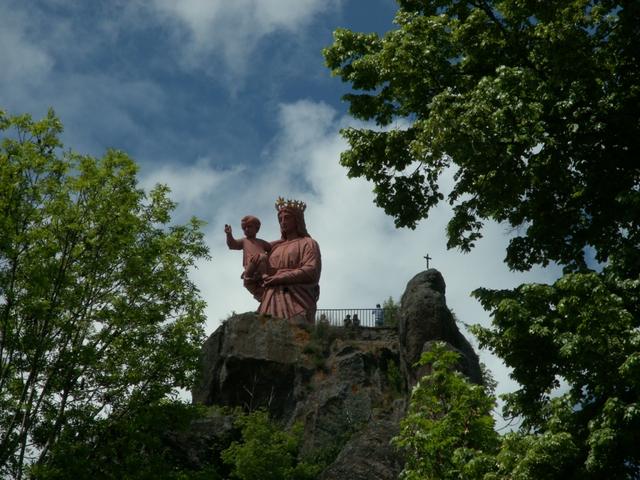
pixel 364 317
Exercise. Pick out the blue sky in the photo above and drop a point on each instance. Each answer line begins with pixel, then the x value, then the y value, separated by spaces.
pixel 230 104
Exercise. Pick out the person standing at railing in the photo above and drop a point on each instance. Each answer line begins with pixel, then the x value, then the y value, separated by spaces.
pixel 379 316
pixel 355 320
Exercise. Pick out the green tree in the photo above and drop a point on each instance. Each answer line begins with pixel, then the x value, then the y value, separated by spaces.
pixel 390 312
pixel 583 330
pixel 448 420
pixel 448 433
pixel 268 452
pixel 535 107
pixel 134 446
pixel 98 317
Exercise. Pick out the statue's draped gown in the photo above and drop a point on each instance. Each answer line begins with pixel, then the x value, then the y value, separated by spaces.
pixel 298 266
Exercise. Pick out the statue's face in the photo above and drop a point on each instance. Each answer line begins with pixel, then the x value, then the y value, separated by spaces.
pixel 287 222
pixel 250 229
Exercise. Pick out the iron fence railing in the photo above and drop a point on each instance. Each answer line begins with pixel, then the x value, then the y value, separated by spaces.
pixel 341 317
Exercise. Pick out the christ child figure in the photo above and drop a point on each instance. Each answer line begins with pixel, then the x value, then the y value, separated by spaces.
pixel 254 254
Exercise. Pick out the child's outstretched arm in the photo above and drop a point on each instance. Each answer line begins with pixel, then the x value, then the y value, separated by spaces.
pixel 232 243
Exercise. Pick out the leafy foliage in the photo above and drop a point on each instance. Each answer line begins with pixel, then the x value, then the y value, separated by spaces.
pixel 97 315
pixel 394 377
pixel 534 104
pixel 390 312
pixel 268 452
pixel 134 446
pixel 448 434
pixel 575 350
pixel 535 108
pixel 449 420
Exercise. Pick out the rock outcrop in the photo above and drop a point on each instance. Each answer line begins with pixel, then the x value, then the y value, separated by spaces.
pixel 425 318
pixel 348 387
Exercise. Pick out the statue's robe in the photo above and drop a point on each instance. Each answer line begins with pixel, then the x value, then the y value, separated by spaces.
pixel 297 266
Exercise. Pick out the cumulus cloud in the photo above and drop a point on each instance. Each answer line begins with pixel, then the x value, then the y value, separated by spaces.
pixel 189 185
pixel 230 31
pixel 73 55
pixel 47 62
pixel 22 59
pixel 195 188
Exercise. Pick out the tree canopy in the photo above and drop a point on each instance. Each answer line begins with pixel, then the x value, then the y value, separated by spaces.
pixel 448 434
pixel 137 445
pixel 574 347
pixel 448 419
pixel 266 451
pixel 535 105
pixel 98 317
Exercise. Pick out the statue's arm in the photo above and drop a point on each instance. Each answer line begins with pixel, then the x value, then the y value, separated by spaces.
pixel 232 243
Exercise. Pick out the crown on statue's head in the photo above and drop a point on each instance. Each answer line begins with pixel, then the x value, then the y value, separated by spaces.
pixel 281 203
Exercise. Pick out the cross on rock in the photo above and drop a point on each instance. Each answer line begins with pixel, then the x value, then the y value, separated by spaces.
pixel 427 258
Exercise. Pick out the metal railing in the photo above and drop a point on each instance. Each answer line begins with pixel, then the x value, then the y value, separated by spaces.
pixel 347 317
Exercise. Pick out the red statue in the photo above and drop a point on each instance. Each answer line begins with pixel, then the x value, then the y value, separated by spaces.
pixel 282 275
pixel 254 252
pixel 293 267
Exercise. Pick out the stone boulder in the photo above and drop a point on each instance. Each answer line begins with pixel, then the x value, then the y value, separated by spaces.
pixel 425 318
pixel 252 361
pixel 367 455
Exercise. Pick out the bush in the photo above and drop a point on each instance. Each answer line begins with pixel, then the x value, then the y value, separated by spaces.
pixel 268 452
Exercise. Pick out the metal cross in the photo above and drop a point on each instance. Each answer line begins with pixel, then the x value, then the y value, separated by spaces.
pixel 427 258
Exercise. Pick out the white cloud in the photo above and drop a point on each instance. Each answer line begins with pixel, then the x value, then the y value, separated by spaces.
pixel 191 186
pixel 47 56
pixel 21 59
pixel 36 53
pixel 231 30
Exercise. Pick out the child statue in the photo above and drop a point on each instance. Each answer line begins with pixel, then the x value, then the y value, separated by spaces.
pixel 254 254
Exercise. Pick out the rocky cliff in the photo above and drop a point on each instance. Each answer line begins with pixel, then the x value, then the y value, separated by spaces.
pixel 348 387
